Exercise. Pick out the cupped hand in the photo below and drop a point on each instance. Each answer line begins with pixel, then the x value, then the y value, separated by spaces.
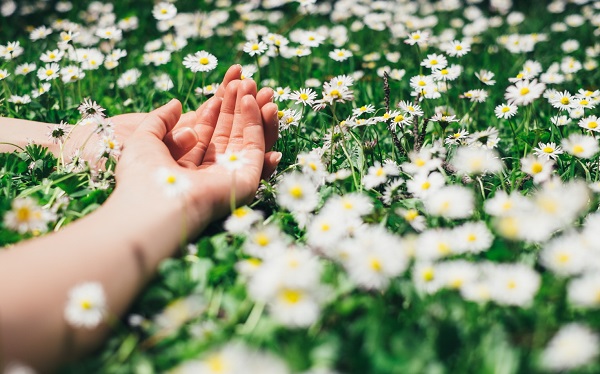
pixel 233 123
pixel 182 139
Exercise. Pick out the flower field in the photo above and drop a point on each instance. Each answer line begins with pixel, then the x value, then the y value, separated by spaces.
pixel 434 210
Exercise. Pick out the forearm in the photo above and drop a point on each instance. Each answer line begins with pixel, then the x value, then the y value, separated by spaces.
pixel 17 133
pixel 120 246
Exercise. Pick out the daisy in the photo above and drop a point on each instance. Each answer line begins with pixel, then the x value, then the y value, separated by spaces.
pixel 539 168
pixel 452 202
pixel 573 346
pixel 524 92
pixel 255 48
pixel 48 72
pixel 340 54
pixel 58 132
pixel 458 48
pixel 412 109
pixel 435 62
pixel 38 33
pixel 476 96
pixel 418 37
pixel 201 61
pixel 378 174
pixel 565 255
pixel 281 93
pixel 476 160
pixel 414 219
pixel 562 101
pixel 365 109
pixel 173 183
pixel 583 146
pixel 424 185
pixel 128 78
pixel 27 216
pixel 589 123
pixel 311 39
pixel 296 192
pixel 560 120
pixel 304 96
pixel 548 150
pixel 513 284
pixel 447 74
pixel 4 74
pixel 232 160
pixel 473 237
pixel 505 111
pixel 583 291
pixel 164 11
pixel 486 77
pixel 42 89
pixel 110 33
pixel 19 100
pixel 86 306
pixel 262 241
pixel 241 219
pixel 52 56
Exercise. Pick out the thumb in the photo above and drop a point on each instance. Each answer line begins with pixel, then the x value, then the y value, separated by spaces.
pixel 162 120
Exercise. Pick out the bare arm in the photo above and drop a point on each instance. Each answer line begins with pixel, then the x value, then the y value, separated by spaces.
pixel 121 244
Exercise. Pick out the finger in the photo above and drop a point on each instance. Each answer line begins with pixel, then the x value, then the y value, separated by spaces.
pixel 270 164
pixel 220 137
pixel 181 141
pixel 247 87
pixel 162 120
pixel 234 72
pixel 264 96
pixel 270 124
pixel 253 138
pixel 207 121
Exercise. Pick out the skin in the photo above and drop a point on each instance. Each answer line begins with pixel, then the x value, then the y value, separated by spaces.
pixel 121 243
pixel 182 139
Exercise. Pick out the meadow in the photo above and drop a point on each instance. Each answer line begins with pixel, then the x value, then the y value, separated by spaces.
pixel 433 211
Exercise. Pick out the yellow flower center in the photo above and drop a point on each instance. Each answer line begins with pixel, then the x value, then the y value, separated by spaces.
pixel 548 149
pixel 443 248
pixel 565 100
pixel 49 72
pixel 433 62
pixel 471 238
pixel 233 157
pixel 577 149
pixel 563 258
pixel 419 162
pixel 411 214
pixel 86 304
pixel 444 71
pixel 204 60
pixel 171 179
pixel 296 192
pixel 428 275
pixel 262 240
pixel 536 168
pixel 23 214
pixel 304 96
pixel 216 364
pixel 524 91
pixel 291 296
pixel 255 47
pixel 240 212
pixel 511 285
pixel 335 93
pixel 505 109
pixel 592 125
pixel 379 172
pixel 325 227
pixel 375 264
pixel 458 47
pixel 399 118
pixel 425 185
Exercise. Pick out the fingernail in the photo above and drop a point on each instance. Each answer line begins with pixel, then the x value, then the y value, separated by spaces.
pixel 184 137
pixel 278 156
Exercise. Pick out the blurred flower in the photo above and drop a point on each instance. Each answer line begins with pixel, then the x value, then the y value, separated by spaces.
pixel 573 346
pixel 86 306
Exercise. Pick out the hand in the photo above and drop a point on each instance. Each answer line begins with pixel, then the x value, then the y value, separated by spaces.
pixel 180 140
pixel 233 123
